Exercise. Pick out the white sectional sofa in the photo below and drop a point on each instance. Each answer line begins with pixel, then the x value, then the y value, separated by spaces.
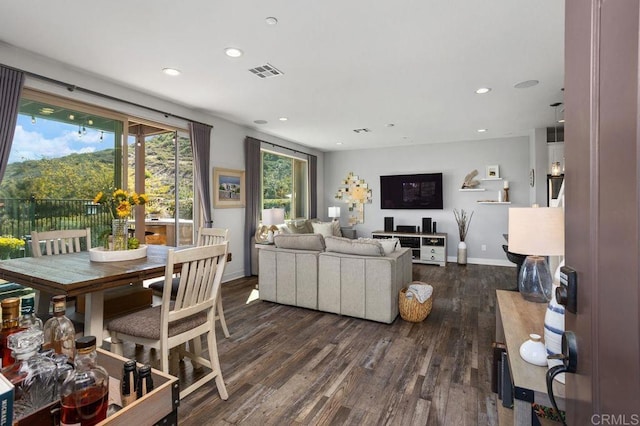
pixel 332 274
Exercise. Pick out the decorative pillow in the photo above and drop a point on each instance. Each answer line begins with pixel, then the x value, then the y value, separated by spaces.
pixel 303 227
pixel 323 228
pixel 337 232
pixel 357 247
pixel 389 245
pixel 300 241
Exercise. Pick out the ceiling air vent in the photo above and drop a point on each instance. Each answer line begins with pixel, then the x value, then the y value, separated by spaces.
pixel 266 71
pixel 365 130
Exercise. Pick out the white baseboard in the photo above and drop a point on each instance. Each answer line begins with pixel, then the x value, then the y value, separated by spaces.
pixel 230 276
pixel 483 261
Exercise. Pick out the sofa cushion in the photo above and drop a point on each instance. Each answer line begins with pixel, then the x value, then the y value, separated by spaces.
pixel 323 228
pixel 300 241
pixel 355 247
pixel 389 245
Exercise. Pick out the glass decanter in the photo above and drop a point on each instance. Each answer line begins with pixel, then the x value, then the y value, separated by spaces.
pixel 34 375
pixel 85 392
pixel 59 332
pixel 28 317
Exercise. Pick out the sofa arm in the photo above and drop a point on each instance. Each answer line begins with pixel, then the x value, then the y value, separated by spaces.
pixel 349 232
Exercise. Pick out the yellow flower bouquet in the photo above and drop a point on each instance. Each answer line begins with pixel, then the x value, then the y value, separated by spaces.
pixel 120 204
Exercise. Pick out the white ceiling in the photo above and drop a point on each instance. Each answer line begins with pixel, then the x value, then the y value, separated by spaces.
pixel 347 64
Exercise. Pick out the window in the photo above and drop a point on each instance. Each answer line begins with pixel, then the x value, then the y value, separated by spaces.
pixel 64 152
pixel 285 184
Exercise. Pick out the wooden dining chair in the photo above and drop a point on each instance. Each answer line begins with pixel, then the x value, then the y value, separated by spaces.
pixel 187 317
pixel 206 236
pixel 51 243
pixel 60 241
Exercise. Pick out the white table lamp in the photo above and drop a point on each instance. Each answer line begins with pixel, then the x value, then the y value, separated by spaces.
pixel 536 232
pixel 334 212
pixel 271 218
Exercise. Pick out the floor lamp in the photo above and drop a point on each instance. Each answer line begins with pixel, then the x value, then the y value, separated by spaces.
pixel 536 232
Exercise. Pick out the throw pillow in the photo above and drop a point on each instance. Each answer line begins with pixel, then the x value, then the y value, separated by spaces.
pixel 313 242
pixel 323 228
pixel 389 245
pixel 303 227
pixel 356 247
pixel 337 232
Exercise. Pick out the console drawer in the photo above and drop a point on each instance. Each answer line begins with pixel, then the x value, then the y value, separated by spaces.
pixel 434 253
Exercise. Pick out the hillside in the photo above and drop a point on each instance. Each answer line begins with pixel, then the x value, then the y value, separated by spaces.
pixel 83 175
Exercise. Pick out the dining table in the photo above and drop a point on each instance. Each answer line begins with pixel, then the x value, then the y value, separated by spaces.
pixel 75 274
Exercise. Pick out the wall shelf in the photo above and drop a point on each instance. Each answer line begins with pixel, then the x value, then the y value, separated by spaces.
pixel 494 202
pixel 471 189
pixel 491 179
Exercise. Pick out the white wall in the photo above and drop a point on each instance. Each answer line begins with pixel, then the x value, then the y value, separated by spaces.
pixel 454 160
pixel 227 138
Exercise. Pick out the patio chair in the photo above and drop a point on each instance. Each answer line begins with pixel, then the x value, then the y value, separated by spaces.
pixel 187 317
pixel 206 236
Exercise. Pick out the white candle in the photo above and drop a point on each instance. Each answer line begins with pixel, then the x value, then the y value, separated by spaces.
pixel 506 184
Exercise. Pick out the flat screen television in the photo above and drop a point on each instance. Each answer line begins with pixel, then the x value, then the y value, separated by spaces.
pixel 417 191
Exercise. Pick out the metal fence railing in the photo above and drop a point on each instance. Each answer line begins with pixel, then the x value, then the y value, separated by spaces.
pixel 20 217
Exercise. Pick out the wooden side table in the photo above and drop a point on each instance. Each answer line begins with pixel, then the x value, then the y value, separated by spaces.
pixel 516 318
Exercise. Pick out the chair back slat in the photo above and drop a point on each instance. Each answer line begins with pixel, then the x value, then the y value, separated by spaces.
pixel 200 278
pixel 211 236
pixel 59 242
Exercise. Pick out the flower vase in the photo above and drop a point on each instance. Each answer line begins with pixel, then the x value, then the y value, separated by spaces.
pixel 553 330
pixel 462 253
pixel 120 234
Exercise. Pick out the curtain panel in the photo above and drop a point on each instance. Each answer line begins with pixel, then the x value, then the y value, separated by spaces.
pixel 252 209
pixel 201 147
pixel 11 83
pixel 313 185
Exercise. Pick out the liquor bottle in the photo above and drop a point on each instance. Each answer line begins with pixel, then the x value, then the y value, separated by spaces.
pixel 59 332
pixel 33 374
pixel 10 325
pixel 145 381
pixel 85 392
pixel 129 388
pixel 28 317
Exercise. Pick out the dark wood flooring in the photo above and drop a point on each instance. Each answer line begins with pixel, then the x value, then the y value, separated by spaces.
pixel 286 365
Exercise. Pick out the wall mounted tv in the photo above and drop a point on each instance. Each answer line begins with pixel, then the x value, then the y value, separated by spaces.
pixel 417 191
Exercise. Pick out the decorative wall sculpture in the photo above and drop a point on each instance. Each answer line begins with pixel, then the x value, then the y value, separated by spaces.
pixel 355 193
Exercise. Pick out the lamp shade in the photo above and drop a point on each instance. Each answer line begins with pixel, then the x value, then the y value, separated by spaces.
pixel 272 217
pixel 536 231
pixel 334 211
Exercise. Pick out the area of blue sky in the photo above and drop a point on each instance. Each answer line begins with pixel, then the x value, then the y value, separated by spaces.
pixel 52 139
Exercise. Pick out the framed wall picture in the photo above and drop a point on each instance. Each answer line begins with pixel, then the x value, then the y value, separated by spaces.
pixel 493 172
pixel 228 188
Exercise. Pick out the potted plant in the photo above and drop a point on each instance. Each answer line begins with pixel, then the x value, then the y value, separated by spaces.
pixel 463 221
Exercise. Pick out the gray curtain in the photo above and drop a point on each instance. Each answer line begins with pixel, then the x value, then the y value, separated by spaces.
pixel 201 146
pixel 252 210
pixel 11 82
pixel 313 185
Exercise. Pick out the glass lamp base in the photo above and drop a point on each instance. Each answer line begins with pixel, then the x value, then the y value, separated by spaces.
pixel 535 280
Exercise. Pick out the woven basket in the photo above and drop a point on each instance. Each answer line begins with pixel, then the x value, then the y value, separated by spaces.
pixel 411 310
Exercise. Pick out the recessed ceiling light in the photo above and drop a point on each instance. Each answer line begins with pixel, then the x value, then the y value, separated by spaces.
pixel 526 84
pixel 561 120
pixel 260 121
pixel 171 71
pixel 338 143
pixel 271 20
pixel 482 130
pixel 283 118
pixel 233 52
pixel 483 90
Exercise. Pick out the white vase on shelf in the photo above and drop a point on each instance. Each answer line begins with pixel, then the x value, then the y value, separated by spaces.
pixel 462 253
pixel 553 330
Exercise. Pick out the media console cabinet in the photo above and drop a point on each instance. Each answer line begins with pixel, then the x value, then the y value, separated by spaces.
pixel 426 248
